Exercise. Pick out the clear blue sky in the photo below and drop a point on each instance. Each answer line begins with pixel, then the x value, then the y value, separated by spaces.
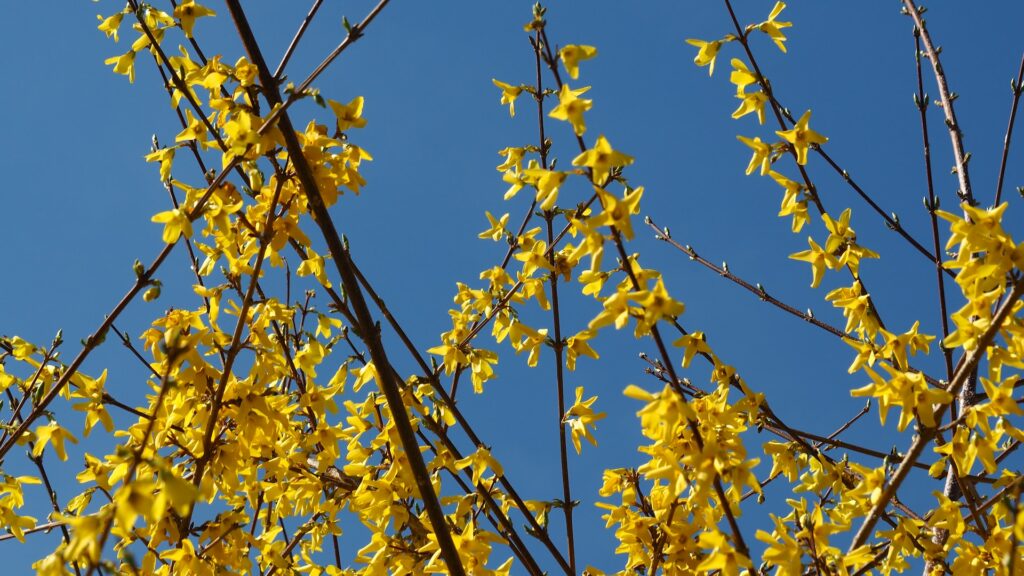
pixel 79 197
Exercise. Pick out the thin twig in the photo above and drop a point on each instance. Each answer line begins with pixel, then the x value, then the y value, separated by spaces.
pixel 1018 87
pixel 955 134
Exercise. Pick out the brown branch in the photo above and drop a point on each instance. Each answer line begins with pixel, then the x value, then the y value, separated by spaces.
pixel 556 319
pixel 955 134
pixel 931 203
pixel 1018 87
pixel 367 327
pixel 964 371
pixel 295 39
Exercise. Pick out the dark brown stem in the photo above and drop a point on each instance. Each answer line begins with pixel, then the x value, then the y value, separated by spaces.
pixel 295 39
pixel 556 318
pixel 367 327
pixel 932 204
pixel 757 290
pixel 955 134
pixel 964 371
pixel 1017 89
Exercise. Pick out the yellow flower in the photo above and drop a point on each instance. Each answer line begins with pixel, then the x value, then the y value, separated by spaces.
pixel 741 76
pixel 509 94
pixel 572 55
pixel 187 12
pixel 706 53
pixel 601 159
pixel 694 343
pixel 571 108
pixel 497 229
pixel 819 260
pixel 513 158
pixel 657 304
pixel 616 212
pixel 123 64
pixel 801 137
pixel 792 204
pixel 751 102
pixel 774 29
pixel 165 156
pixel 175 223
pixel 52 433
pixel 547 183
pixel 110 24
pixel 349 115
pixel 578 345
pixel 762 154
pixel 580 418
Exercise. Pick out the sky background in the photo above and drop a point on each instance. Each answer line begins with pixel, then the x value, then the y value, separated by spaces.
pixel 79 197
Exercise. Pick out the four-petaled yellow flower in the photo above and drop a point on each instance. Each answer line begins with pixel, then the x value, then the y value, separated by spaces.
pixel 792 204
pixel 617 211
pixel 571 108
pixel 187 12
pixel 509 94
pixel 572 55
pixel 497 229
pixel 762 154
pixel 110 24
pixel 751 102
pixel 175 223
pixel 580 418
pixel 657 304
pixel 801 137
pixel 52 433
pixel 124 64
pixel 601 159
pixel 706 53
pixel 741 76
pixel 774 29
pixel 819 260
pixel 165 156
pixel 578 345
pixel 349 115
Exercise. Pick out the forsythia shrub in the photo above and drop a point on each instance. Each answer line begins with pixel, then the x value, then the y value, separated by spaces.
pixel 274 422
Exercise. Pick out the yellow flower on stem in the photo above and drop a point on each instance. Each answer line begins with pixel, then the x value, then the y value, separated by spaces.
pixel 578 345
pixel 707 52
pixel 657 304
pixel 741 76
pixel 52 433
pixel 497 229
pixel 819 260
pixel 617 211
pixel 513 158
pixel 509 94
pixel 187 12
pixel 110 24
pixel 580 418
pixel 547 183
pixel 571 108
pixel 349 115
pixel 774 29
pixel 572 55
pixel 175 223
pixel 762 154
pixel 124 64
pixel 751 102
pixel 165 156
pixel 694 343
pixel 801 137
pixel 601 159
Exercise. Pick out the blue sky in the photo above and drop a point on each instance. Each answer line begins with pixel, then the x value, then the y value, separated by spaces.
pixel 79 196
